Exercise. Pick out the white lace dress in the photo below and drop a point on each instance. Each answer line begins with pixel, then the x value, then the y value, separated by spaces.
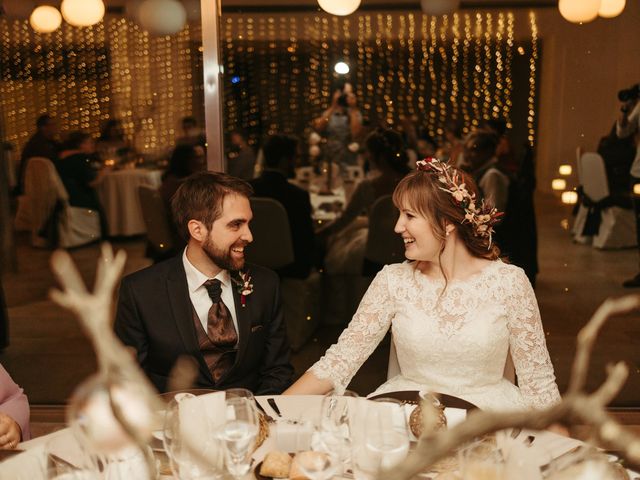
pixel 457 344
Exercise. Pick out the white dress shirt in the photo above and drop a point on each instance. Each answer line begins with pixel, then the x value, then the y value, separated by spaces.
pixel 200 297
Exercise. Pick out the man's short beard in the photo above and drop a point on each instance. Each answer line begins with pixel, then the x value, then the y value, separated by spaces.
pixel 221 258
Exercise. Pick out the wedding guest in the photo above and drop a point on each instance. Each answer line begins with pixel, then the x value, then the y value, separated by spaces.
pixel 242 159
pixel 453 144
pixel 346 236
pixel 191 133
pixel 112 144
pixel 457 313
pixel 79 175
pixel 279 158
pixel 14 412
pixel 206 303
pixel 507 161
pixel 342 125
pixel 480 160
pixel 185 160
pixel 43 143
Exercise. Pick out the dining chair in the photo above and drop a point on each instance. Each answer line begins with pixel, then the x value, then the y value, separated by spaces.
pixel 384 246
pixel 156 220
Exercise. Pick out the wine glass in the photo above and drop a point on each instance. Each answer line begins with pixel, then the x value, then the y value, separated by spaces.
pixel 385 442
pixel 190 459
pixel 333 433
pixel 239 434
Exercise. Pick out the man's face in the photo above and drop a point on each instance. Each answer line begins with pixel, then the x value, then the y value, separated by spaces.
pixel 50 129
pixel 475 155
pixel 229 234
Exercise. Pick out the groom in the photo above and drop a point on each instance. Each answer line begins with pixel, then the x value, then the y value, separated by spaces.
pixel 206 303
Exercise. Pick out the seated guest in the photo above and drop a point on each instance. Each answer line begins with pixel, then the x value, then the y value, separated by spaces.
pixel 347 235
pixel 480 157
pixel 279 157
pixel 185 160
pixel 42 144
pixel 242 159
pixel 112 144
pixel 78 174
pixel 206 303
pixel 14 412
pixel 452 146
pixel 191 133
pixel 507 161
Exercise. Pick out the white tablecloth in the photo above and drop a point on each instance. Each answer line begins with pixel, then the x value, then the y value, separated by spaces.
pixel 118 192
pixel 26 466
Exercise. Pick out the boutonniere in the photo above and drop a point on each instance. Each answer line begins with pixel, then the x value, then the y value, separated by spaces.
pixel 245 287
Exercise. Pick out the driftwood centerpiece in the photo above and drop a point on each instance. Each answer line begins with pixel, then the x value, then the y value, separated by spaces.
pixel 576 407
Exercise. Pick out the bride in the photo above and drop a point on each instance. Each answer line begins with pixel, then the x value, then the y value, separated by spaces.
pixel 457 313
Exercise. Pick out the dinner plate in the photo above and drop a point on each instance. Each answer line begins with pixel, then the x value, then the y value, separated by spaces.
pixel 413 396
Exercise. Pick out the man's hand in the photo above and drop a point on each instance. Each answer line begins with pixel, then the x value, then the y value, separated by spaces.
pixel 10 433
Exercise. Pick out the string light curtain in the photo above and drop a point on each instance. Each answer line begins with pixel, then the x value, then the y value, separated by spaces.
pixel 84 76
pixel 431 69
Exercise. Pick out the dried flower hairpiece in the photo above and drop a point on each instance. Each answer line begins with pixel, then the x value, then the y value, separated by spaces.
pixel 482 217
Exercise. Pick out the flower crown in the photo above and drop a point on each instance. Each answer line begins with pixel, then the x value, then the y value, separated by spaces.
pixel 482 217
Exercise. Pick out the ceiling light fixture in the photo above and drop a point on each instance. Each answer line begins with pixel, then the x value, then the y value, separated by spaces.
pixel 45 19
pixel 82 13
pixel 339 7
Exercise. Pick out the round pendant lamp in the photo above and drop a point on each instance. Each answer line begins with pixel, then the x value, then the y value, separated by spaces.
pixel 82 13
pixel 611 8
pixel 579 11
pixel 339 7
pixel 162 17
pixel 45 19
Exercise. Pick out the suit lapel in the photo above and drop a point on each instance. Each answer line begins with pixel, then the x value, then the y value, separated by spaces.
pixel 182 311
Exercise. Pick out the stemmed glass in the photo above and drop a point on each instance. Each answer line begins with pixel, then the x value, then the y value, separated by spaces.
pixel 385 442
pixel 239 434
pixel 333 432
pixel 190 459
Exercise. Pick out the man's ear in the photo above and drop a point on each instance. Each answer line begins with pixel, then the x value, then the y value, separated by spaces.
pixel 197 230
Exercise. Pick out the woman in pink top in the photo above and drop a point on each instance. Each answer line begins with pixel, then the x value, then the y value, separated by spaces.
pixel 14 412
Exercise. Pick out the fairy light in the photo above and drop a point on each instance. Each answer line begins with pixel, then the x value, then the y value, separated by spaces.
pixel 506 111
pixel 498 104
pixel 388 96
pixel 533 60
pixel 486 74
pixel 411 63
pixel 432 76
pixel 466 86
pixel 477 71
pixel 444 75
pixel 422 69
pixel 455 51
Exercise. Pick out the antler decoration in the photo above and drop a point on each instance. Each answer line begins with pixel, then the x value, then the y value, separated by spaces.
pixel 576 407
pixel 119 374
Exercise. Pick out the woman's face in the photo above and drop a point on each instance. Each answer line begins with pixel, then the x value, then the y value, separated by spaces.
pixel 420 242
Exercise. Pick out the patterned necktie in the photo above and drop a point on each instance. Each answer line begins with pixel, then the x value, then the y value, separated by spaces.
pixel 220 329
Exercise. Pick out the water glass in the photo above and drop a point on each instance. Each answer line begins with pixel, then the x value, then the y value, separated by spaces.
pixel 481 460
pixel 333 432
pixel 385 443
pixel 239 434
pixel 190 459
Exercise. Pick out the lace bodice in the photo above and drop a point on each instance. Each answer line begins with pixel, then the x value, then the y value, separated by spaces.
pixel 455 343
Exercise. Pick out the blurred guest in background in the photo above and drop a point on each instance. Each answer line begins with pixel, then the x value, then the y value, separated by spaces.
pixel 452 147
pixel 347 235
pixel 480 158
pixel 279 159
pixel 14 412
pixel 185 160
pixel 507 161
pixel 112 144
pixel 191 133
pixel 43 143
pixel 77 172
pixel 242 159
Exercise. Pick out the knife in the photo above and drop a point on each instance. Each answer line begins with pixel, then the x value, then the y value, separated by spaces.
pixel 272 404
pixel 266 415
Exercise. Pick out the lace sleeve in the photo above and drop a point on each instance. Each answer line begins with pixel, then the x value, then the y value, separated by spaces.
pixel 528 346
pixel 356 343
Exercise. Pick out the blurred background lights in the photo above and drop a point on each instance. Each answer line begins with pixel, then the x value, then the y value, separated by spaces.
pixel 341 68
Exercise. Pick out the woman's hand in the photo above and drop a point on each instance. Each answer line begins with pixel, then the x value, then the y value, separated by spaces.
pixel 10 433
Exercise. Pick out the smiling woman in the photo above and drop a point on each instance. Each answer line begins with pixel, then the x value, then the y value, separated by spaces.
pixel 458 315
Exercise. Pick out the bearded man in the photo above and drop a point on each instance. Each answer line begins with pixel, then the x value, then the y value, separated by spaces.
pixel 207 303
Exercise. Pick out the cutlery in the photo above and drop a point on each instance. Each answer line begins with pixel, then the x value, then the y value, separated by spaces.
pixel 269 418
pixel 544 469
pixel 529 440
pixel 272 404
pixel 515 432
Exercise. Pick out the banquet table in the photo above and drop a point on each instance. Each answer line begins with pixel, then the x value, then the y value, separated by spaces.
pixel 118 193
pixel 27 465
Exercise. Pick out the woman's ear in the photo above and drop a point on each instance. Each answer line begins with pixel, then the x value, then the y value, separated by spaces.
pixel 197 230
pixel 448 229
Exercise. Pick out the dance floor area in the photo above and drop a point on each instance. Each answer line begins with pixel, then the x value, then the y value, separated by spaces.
pixel 48 354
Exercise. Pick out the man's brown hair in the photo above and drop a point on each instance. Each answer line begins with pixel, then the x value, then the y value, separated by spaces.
pixel 200 198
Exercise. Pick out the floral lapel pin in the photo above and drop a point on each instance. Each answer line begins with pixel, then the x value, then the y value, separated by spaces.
pixel 245 287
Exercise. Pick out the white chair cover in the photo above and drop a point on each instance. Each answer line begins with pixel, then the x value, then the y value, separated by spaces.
pixel 42 190
pixel 617 226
